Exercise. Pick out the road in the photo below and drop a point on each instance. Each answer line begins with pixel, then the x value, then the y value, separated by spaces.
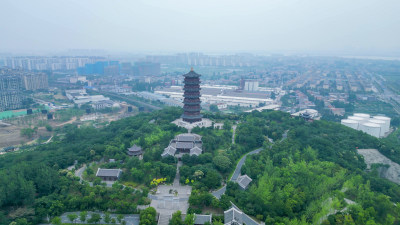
pixel 79 172
pixel 130 100
pixel 218 193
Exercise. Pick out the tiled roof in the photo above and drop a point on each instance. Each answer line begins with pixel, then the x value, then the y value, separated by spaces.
pixel 185 145
pixel 235 216
pixel 169 151
pixel 243 181
pixel 135 148
pixel 188 137
pixel 185 137
pixel 108 173
pixel 195 151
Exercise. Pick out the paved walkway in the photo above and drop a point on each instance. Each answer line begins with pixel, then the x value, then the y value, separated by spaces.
pixel 79 172
pixel 177 175
pixel 218 193
pixel 171 198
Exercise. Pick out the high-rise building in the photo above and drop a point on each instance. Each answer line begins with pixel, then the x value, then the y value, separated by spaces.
pixel 147 69
pixel 126 68
pixel 111 70
pixel 35 81
pixel 10 92
pixel 191 96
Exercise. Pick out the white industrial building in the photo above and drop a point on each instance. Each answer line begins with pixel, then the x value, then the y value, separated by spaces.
pixel 377 126
pixel 251 85
pixel 372 129
pixel 350 123
pixel 386 119
pixel 215 99
pixel 381 124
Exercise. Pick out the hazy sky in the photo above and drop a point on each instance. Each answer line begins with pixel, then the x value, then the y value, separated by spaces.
pixel 330 26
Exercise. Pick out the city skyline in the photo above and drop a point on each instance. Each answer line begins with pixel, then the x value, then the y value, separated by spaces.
pixel 361 28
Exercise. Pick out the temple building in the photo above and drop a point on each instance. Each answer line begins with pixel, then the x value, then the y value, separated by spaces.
pixel 135 151
pixel 109 174
pixel 184 144
pixel 191 96
pixel 235 216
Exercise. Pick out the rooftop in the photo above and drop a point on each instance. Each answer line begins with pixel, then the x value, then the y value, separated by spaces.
pixel 244 181
pixel 135 148
pixel 169 151
pixel 108 172
pixel 192 74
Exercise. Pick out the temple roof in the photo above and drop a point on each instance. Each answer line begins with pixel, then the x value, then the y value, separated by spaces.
pixel 192 74
pixel 108 172
pixel 244 181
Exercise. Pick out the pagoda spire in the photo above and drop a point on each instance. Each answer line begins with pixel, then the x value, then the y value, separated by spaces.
pixel 191 101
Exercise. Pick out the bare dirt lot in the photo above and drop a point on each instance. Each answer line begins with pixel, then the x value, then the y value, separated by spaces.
pixel 10 135
pixel 373 156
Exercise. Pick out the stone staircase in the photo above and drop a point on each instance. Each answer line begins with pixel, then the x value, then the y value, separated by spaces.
pixel 163 219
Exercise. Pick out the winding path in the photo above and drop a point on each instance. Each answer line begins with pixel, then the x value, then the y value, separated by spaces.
pixel 218 193
pixel 233 133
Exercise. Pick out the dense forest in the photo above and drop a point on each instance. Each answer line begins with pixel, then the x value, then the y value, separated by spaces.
pixel 35 184
pixel 313 176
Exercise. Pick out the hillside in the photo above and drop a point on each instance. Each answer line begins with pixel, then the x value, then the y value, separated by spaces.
pixel 302 179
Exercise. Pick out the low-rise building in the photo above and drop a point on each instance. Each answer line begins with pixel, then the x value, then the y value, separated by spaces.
pixel 135 151
pixel 234 216
pixel 105 104
pixel 243 181
pixel 184 143
pixel 109 174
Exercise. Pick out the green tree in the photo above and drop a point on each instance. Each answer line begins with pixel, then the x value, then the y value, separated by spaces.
pixel 107 217
pixel 214 108
pixel 27 132
pixel 189 219
pixel 273 96
pixel 95 218
pixel 176 218
pixel 148 216
pixel 24 221
pixel 83 216
pixel 222 163
pixel 120 217
pixel 48 127
pixel 56 221
pixel 72 217
pixel 57 207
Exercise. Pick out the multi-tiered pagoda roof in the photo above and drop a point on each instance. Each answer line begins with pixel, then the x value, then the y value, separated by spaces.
pixel 191 96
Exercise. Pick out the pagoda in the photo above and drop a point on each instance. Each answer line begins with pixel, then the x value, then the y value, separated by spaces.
pixel 191 101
